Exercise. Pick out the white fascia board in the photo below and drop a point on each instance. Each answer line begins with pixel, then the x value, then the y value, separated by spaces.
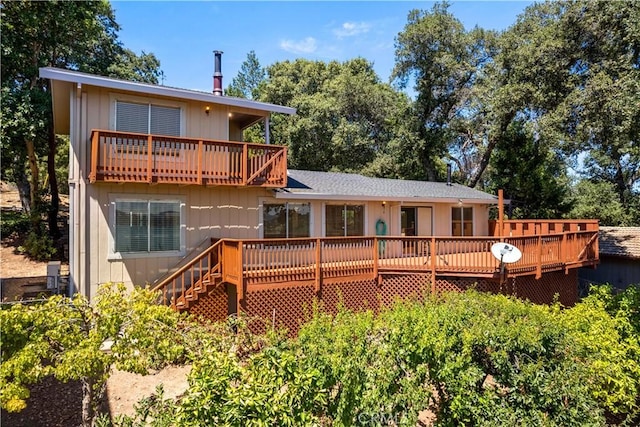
pixel 150 89
pixel 340 197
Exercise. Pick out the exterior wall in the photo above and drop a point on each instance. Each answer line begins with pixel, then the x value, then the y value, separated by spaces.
pixel 617 271
pixel 93 108
pixel 196 122
pixel 209 212
pixel 390 214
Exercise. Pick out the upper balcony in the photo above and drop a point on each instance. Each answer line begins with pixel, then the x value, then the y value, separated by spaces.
pixel 131 157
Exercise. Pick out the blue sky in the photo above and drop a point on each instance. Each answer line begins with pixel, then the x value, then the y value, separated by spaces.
pixel 183 35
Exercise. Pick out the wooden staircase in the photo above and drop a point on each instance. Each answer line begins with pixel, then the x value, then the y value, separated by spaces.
pixel 196 278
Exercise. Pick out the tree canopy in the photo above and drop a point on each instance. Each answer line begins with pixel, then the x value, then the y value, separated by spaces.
pixel 74 35
pixel 538 109
pixel 346 117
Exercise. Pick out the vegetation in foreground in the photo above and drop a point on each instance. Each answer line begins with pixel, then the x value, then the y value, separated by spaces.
pixel 471 358
pixel 558 91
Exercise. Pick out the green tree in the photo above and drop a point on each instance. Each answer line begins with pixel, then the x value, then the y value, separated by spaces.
pixel 532 175
pixel 443 61
pixel 75 35
pixel 345 118
pixel 74 340
pixel 578 65
pixel 598 200
pixel 129 66
pixel 250 76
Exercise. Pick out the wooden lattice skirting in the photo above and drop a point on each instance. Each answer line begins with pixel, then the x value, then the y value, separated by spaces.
pixel 290 304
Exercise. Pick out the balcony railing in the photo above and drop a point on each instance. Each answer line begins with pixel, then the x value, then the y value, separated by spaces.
pixel 130 157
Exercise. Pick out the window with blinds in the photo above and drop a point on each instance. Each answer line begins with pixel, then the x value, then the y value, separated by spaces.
pixel 147 226
pixel 147 118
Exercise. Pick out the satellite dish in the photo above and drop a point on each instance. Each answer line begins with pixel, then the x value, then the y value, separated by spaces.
pixel 506 253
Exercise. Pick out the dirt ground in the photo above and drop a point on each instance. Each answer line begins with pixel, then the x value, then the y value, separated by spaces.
pixel 12 263
pixel 55 404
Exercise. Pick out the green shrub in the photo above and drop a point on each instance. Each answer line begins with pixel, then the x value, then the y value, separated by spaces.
pixel 275 384
pixel 14 222
pixel 470 358
pixel 606 332
pixel 38 245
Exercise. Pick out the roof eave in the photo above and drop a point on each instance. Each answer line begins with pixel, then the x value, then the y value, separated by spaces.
pixel 283 194
pixel 150 89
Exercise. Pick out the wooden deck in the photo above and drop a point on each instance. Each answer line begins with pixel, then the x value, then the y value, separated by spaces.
pixel 129 157
pixel 265 263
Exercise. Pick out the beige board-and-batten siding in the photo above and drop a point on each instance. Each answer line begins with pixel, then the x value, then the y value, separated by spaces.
pixel 208 212
pixel 217 212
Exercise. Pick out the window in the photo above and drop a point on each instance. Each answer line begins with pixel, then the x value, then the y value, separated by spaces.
pixel 147 226
pixel 344 220
pixel 462 221
pixel 147 118
pixel 284 220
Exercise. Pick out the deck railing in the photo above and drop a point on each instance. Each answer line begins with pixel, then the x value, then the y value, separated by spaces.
pixel 534 227
pixel 131 157
pixel 266 261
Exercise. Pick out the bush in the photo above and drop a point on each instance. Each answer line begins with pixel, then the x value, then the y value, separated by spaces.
pixel 38 245
pixel 471 358
pixel 606 330
pixel 14 222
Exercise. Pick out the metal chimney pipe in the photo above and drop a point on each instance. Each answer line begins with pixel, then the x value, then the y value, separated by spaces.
pixel 217 74
pixel 448 173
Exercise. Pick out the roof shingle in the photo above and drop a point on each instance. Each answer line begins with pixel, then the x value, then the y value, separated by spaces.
pixel 338 184
pixel 620 241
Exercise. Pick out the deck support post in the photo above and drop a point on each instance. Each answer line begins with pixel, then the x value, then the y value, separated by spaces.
pixel 245 163
pixel 318 267
pixel 539 266
pixel 376 260
pixel 433 265
pixel 200 146
pixel 95 139
pixel 241 281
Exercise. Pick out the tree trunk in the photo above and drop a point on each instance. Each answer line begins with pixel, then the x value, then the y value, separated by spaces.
pixel 35 175
pixel 88 406
pixel 93 389
pixel 54 231
pixel 24 191
pixel 484 162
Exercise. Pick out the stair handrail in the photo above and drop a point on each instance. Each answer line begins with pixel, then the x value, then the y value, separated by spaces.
pixel 187 266
pixel 197 250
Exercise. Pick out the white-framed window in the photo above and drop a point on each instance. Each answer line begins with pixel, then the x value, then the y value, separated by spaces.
pixel 286 220
pixel 142 226
pixel 147 118
pixel 461 221
pixel 147 115
pixel 344 220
